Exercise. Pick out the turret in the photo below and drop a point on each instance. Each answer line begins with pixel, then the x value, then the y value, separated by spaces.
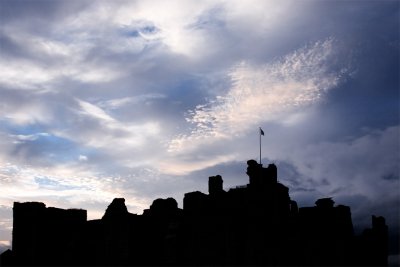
pixel 259 176
pixel 215 184
pixel 116 210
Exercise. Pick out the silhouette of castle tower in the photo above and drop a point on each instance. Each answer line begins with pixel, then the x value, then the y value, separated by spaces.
pixel 215 184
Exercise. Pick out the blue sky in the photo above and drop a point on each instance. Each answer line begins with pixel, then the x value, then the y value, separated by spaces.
pixel 147 99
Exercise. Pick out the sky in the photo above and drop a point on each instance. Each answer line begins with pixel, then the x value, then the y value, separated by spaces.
pixel 147 99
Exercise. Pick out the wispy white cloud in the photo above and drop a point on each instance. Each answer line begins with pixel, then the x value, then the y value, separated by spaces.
pixel 117 103
pixel 109 135
pixel 186 165
pixel 22 74
pixel 94 111
pixel 21 138
pixel 270 92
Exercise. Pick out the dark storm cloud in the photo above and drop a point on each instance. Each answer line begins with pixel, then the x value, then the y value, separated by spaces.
pixel 370 98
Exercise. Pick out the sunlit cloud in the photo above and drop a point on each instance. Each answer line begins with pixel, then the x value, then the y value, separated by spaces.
pixel 25 75
pixel 182 166
pixel 272 92
pixel 68 185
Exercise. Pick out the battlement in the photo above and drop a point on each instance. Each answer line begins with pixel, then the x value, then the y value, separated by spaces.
pixel 253 224
pixel 260 176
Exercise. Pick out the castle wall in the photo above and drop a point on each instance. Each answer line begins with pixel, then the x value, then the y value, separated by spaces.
pixel 256 224
pixel 42 235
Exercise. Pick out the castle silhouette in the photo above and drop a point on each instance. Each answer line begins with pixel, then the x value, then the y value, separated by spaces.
pixel 254 224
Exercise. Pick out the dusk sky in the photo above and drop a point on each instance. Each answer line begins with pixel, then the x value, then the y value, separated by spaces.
pixel 147 99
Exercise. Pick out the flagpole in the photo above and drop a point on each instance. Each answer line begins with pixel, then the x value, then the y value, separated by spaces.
pixel 259 132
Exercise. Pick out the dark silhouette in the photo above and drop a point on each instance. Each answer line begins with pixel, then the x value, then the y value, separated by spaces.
pixel 255 224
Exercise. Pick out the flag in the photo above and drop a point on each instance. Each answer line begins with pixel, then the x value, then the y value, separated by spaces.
pixel 261 131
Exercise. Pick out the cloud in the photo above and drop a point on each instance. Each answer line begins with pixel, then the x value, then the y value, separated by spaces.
pixel 275 91
pixel 117 103
pixel 354 172
pixel 116 136
pixel 71 185
pixel 94 111
pixel 21 138
pixel 344 163
pixel 83 158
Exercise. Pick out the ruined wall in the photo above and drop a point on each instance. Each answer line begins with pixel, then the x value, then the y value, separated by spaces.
pixel 255 224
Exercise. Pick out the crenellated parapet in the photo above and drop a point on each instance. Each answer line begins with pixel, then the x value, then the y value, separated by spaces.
pixel 254 224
